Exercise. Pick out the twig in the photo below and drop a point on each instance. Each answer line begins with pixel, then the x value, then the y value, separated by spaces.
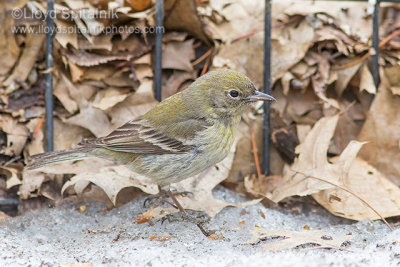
pixel 200 59
pixel 14 159
pixel 38 127
pixel 206 65
pixel 348 191
pixel 247 35
pixel 364 57
pixel 254 146
pixel 352 63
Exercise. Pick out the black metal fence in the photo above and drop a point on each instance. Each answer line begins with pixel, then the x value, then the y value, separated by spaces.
pixel 158 70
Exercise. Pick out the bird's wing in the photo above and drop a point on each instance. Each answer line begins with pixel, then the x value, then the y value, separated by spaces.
pixel 138 136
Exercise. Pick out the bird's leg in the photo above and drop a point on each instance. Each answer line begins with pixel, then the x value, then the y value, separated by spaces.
pixel 184 213
pixel 167 192
pixel 160 195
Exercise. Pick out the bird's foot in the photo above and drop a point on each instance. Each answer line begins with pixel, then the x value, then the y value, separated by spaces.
pixel 162 195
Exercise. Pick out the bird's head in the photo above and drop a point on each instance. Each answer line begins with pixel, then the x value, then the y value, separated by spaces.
pixel 225 93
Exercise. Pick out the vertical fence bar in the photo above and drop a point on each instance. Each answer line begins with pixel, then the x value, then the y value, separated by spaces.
pixel 267 86
pixel 158 48
pixel 49 76
pixel 375 44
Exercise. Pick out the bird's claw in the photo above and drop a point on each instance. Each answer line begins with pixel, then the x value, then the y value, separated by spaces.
pixel 162 195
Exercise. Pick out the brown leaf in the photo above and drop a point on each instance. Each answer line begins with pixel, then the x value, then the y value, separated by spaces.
pixel 262 186
pixel 85 12
pixel 77 72
pixel 102 41
pixel 177 55
pixel 320 79
pixel 381 131
pixel 36 145
pixel 9 49
pixel 292 239
pixel 230 20
pixel 369 184
pixel 67 135
pixel 33 45
pixel 351 17
pixel 367 81
pixel 31 183
pixel 313 161
pixel 93 119
pixel 108 98
pixel 61 91
pixel 17 135
pixel 86 59
pixel 246 55
pixel 181 15
pixel 175 81
pixel 11 175
pixel 64 37
pixel 112 180
pixel 344 76
pixel 135 105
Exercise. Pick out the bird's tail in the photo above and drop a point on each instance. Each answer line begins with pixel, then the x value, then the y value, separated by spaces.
pixel 43 159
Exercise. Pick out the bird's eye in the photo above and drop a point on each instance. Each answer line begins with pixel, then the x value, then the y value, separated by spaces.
pixel 233 93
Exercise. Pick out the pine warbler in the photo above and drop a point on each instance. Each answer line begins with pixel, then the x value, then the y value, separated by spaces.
pixel 180 137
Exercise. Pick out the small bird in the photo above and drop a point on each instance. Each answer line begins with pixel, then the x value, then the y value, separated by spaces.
pixel 177 139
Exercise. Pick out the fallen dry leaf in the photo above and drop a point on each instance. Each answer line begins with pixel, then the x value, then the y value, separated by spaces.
pixel 28 58
pixel 292 239
pixel 181 15
pixel 93 119
pixel 381 131
pixel 108 98
pixel 246 55
pixel 62 92
pixel 177 55
pixel 262 186
pixel 31 183
pixel 238 18
pixel 391 73
pixel 17 135
pixel 313 161
pixel 64 38
pixel 351 17
pixel 345 75
pixel 9 49
pixel 135 105
pixel 366 80
pixel 112 180
pixel 11 175
pixel 369 184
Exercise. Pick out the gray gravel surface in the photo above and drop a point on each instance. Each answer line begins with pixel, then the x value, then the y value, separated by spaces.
pixel 63 235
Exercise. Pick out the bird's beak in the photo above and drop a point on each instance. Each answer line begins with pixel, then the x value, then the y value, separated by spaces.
pixel 258 96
